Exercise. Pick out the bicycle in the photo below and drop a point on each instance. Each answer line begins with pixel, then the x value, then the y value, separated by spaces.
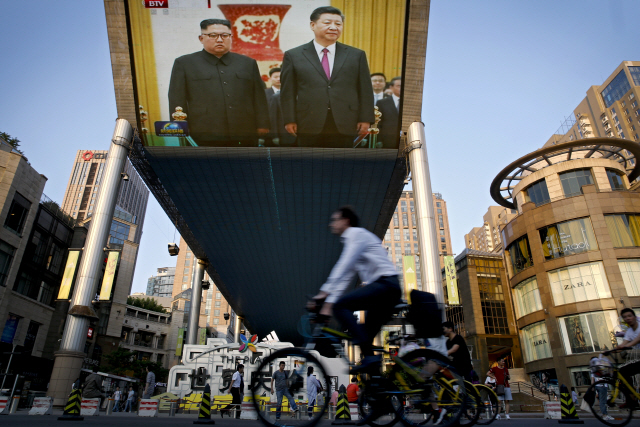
pixel 381 403
pixel 619 403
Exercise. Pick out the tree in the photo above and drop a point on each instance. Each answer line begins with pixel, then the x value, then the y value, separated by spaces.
pixel 123 362
pixel 146 303
pixel 14 142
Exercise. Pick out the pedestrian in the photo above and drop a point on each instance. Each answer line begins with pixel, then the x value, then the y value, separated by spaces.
pixel 150 384
pixel 334 398
pixel 93 385
pixel 574 396
pixel 457 350
pixel 116 399
pixel 128 407
pixel 353 391
pixel 313 388
pixel 601 389
pixel 503 390
pixel 491 380
pixel 236 388
pixel 280 379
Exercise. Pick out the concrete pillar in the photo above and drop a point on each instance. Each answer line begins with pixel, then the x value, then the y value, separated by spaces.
pixel 196 301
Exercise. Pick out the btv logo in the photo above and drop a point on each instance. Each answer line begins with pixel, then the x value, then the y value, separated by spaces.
pixel 156 4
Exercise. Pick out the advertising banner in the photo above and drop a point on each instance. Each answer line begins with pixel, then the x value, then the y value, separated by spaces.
pixel 295 73
pixel 202 336
pixel 180 342
pixel 10 328
pixel 69 275
pixel 409 271
pixel 452 280
pixel 109 275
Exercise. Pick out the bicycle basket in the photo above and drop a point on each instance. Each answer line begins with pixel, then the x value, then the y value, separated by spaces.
pixel 425 314
pixel 601 367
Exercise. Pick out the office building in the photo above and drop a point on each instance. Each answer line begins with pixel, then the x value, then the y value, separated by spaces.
pixel 487 237
pixel 85 179
pixel 401 238
pixel 161 285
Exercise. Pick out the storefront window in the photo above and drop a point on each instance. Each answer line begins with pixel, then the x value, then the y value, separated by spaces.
pixel 584 282
pixel 568 238
pixel 615 180
pixel 630 269
pixel 535 342
pixel 538 193
pixel 573 181
pixel 580 376
pixel 527 297
pixel 519 255
pixel 624 230
pixel 589 332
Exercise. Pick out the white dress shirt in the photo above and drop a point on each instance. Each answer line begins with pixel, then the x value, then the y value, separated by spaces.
pixel 275 89
pixel 331 55
pixel 377 97
pixel 396 100
pixel 235 380
pixel 363 254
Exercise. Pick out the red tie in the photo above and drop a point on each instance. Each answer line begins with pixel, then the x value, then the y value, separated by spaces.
pixel 325 63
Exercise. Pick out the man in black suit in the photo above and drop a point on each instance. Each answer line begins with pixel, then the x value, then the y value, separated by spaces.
pixel 390 109
pixel 221 92
pixel 327 97
pixel 379 82
pixel 274 79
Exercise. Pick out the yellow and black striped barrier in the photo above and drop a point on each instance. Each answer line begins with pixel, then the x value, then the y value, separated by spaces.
pixel 343 415
pixel 204 414
pixel 568 411
pixel 72 408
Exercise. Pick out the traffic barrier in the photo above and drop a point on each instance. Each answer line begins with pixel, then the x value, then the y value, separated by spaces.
pixel 568 411
pixel 552 410
pixel 353 409
pixel 204 414
pixel 72 408
pixel 148 407
pixel 4 405
pixel 90 407
pixel 42 406
pixel 248 411
pixel 343 416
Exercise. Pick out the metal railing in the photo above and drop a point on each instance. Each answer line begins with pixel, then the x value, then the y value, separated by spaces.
pixel 531 390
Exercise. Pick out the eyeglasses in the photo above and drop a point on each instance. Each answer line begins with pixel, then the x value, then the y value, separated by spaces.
pixel 215 36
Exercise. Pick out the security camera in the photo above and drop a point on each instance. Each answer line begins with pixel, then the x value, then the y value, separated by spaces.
pixel 173 249
pixel 125 177
pixel 205 285
pixel 226 316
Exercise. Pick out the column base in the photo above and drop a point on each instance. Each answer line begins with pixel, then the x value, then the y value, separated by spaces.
pixel 66 370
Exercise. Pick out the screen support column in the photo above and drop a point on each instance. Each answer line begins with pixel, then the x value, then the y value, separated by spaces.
pixel 196 301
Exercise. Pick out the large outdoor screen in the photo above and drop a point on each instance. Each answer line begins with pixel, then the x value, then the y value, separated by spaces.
pixel 241 73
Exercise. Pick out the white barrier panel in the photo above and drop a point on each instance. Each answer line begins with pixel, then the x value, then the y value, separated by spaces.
pixel 4 405
pixel 248 411
pixel 353 410
pixel 90 407
pixel 148 407
pixel 42 406
pixel 552 410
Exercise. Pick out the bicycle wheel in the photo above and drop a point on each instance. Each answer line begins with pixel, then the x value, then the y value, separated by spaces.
pixel 490 404
pixel 617 408
pixel 377 402
pixel 473 406
pixel 431 390
pixel 297 361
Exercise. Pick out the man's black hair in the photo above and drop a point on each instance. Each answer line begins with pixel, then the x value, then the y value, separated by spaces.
pixel 447 324
pixel 393 80
pixel 315 15
pixel 354 379
pixel 503 357
pixel 349 213
pixel 379 74
pixel 281 363
pixel 274 70
pixel 627 310
pixel 207 22
pixel 240 366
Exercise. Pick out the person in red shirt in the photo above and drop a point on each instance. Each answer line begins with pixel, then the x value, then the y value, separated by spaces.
pixel 353 391
pixel 501 373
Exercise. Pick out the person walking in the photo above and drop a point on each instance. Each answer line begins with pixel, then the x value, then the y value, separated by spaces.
pixel 236 388
pixel 117 395
pixel 501 373
pixel 602 391
pixel 458 351
pixel 93 385
pixel 150 384
pixel 313 388
pixel 280 379
pixel 128 407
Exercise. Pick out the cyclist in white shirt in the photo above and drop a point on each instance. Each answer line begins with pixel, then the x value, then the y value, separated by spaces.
pixel 631 340
pixel 364 255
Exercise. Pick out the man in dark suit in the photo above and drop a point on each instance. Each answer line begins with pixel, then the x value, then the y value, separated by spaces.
pixel 390 109
pixel 379 82
pixel 326 96
pixel 274 79
pixel 221 92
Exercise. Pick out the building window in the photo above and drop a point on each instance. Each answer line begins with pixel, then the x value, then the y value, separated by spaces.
pixel 537 193
pixel 6 257
pixel 17 213
pixel 527 297
pixel 387 235
pixel 415 234
pixel 443 240
pixel 616 89
pixel 615 180
pixel 635 75
pixel 188 255
pixel 573 181
pixel 407 248
pixel 413 220
pixel 119 233
pixel 395 220
pixel 494 311
pixel 185 279
pixel 535 342
pixel 216 321
pixel 624 230
pixel 217 304
pixel 584 282
pixel 405 220
pixel 568 238
pixel 412 208
pixel 216 312
pixel 30 338
pixel 403 206
pixel 519 255
pixel 438 204
pixel 443 247
pixel 218 295
pixel 630 269
pixel 440 221
pixel 439 211
pixel 588 332
pixel 405 234
pixel 396 234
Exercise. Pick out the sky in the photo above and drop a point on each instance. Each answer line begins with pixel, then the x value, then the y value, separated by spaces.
pixel 500 78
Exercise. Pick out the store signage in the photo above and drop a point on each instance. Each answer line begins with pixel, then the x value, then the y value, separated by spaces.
pixel 539 342
pixel 90 333
pixel 69 274
pixel 156 4
pixel 577 285
pixel 452 280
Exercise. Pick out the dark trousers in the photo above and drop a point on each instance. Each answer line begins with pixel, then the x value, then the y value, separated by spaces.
pixel 378 299
pixel 629 371
pixel 235 402
pixel 329 137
